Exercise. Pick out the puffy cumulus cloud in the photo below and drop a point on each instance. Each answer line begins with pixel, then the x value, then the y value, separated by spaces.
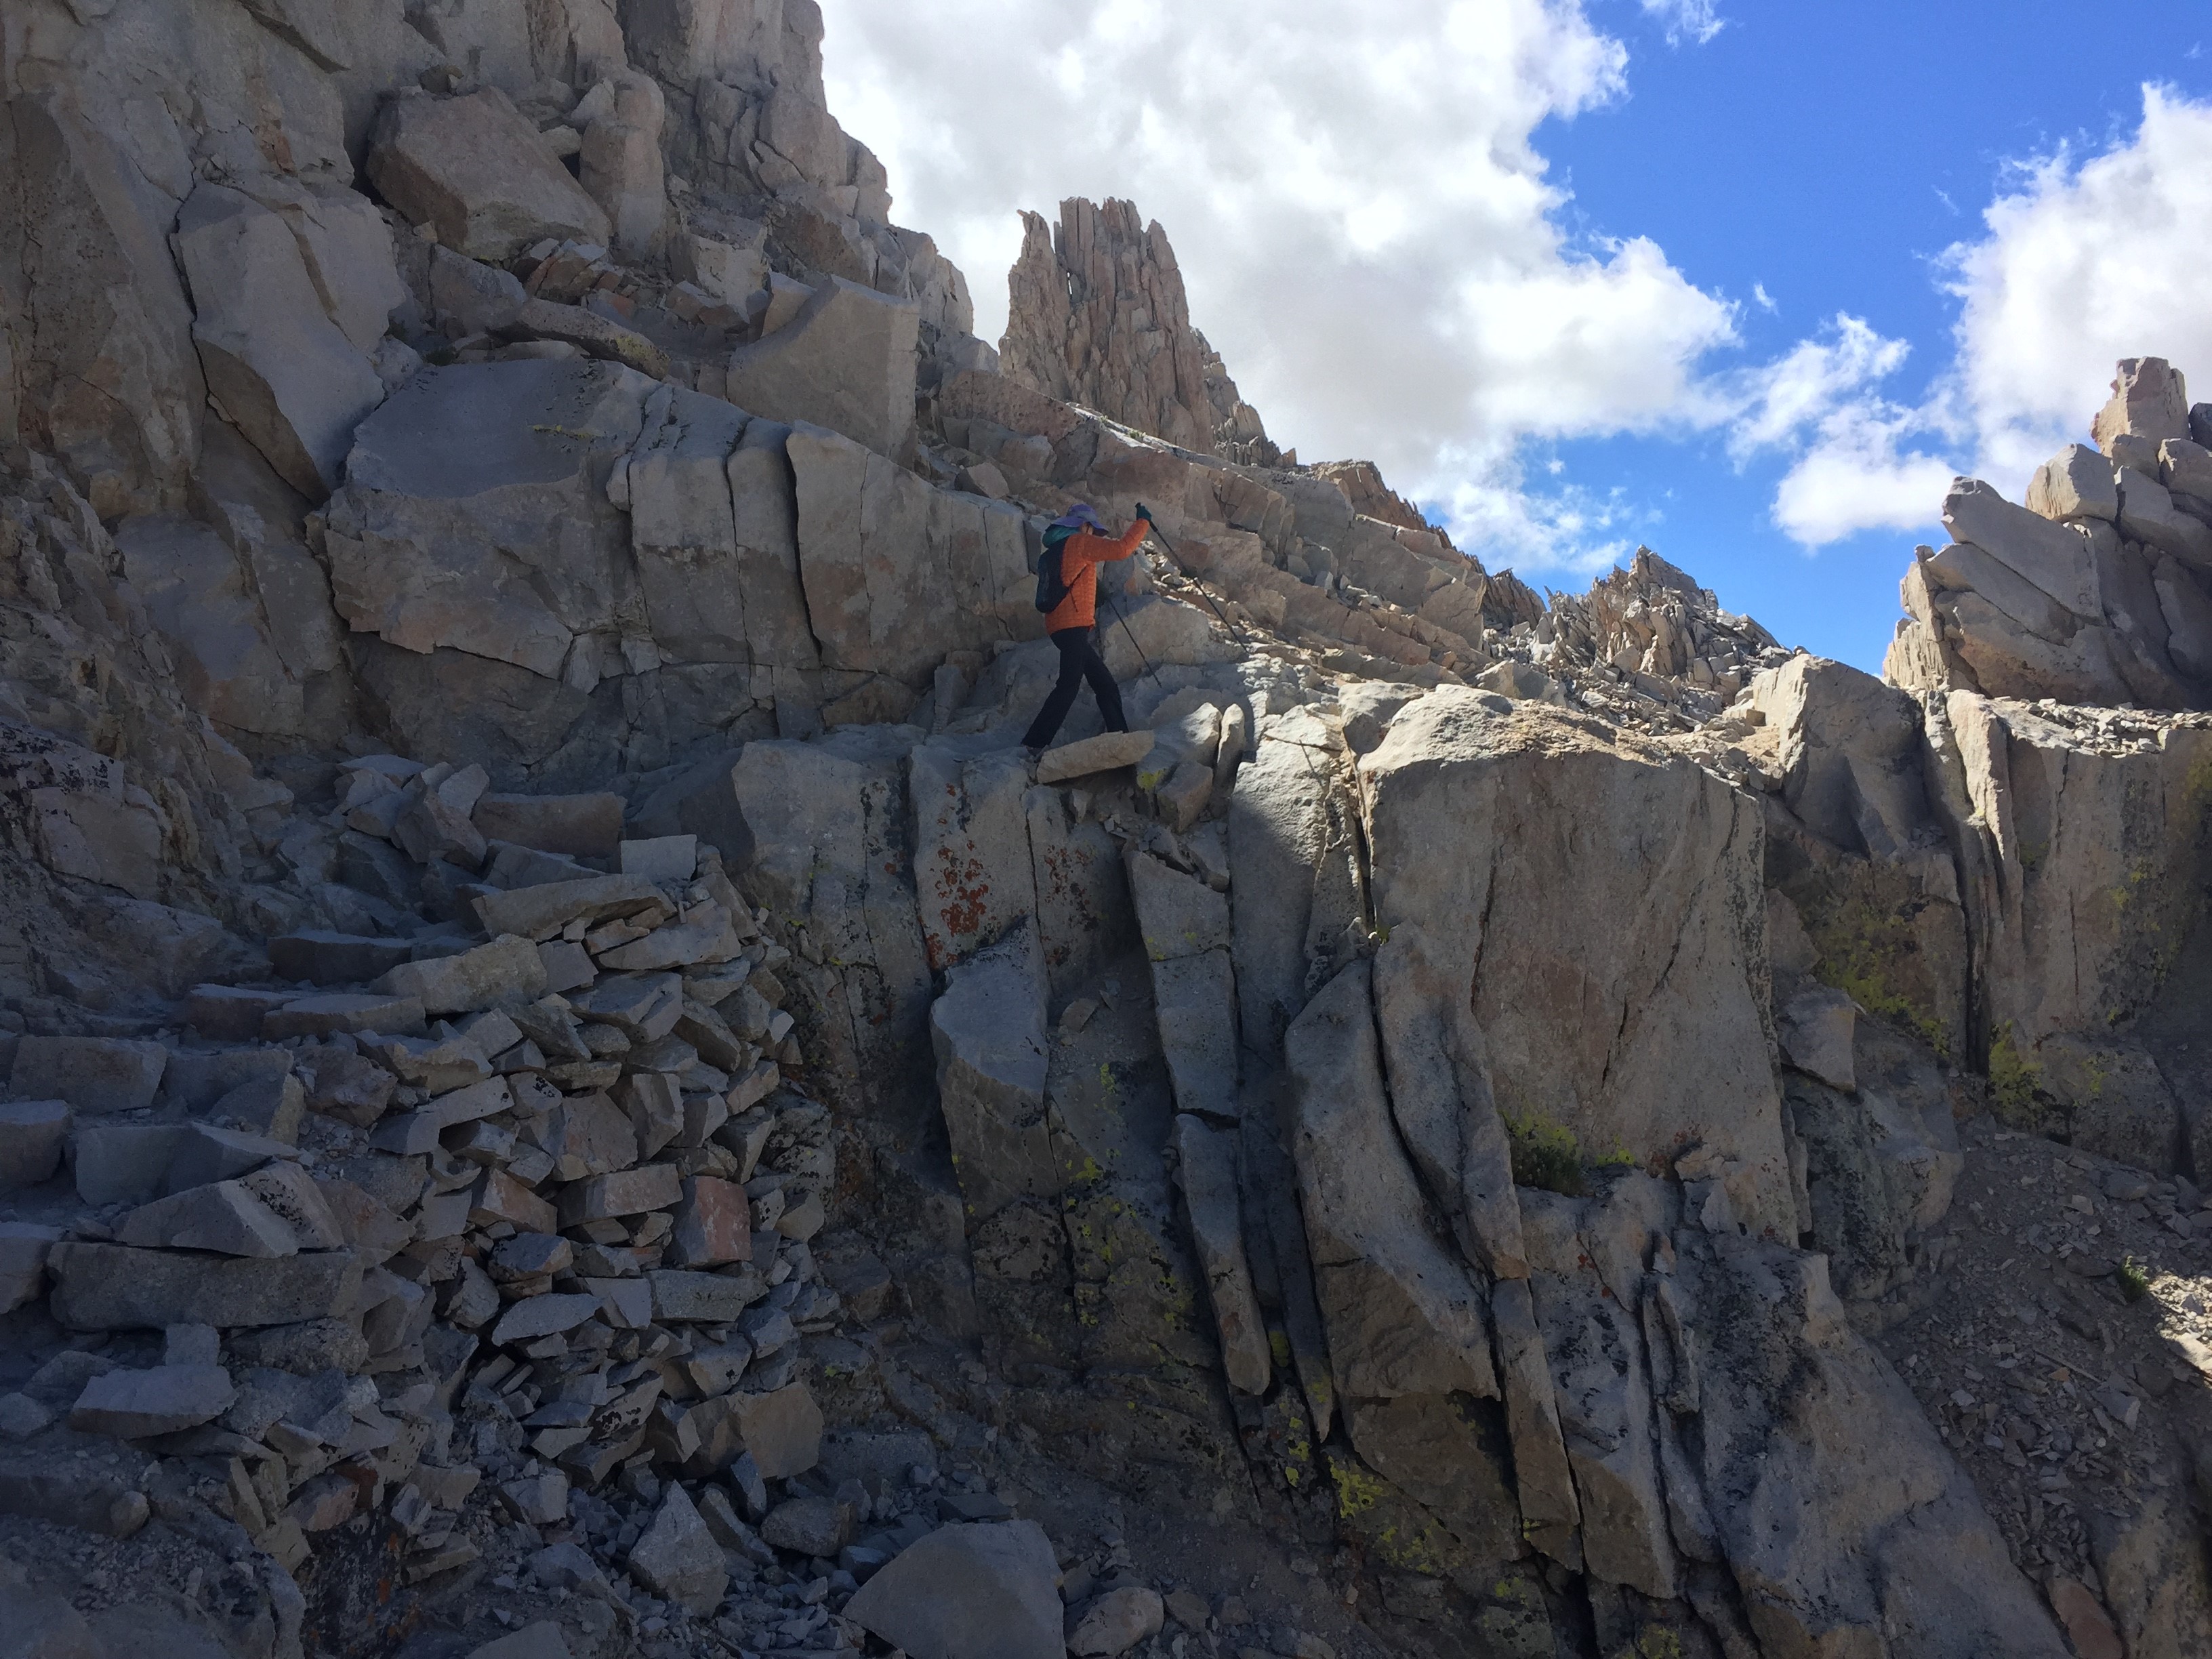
pixel 2084 259
pixel 1687 20
pixel 1850 469
pixel 2089 259
pixel 1368 234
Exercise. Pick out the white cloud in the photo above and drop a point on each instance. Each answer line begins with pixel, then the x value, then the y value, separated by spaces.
pixel 1366 231
pixel 1687 20
pixel 1849 468
pixel 2086 261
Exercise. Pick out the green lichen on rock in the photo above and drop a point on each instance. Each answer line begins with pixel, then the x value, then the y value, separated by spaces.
pixel 1397 1532
pixel 1545 1155
pixel 2014 1084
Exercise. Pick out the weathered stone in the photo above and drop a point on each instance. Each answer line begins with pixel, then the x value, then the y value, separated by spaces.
pixel 988 1591
pixel 343 1085
pixel 1178 914
pixel 230 1013
pixel 987 1030
pixel 203 1154
pixel 703 1298
pixel 845 362
pixel 32 1135
pixel 1673 1039
pixel 113 1287
pixel 661 858
pixel 132 1405
pixel 894 573
pixel 331 958
pixel 1441 1099
pixel 269 1106
pixel 678 1558
pixel 2054 557
pixel 540 911
pixel 506 972
pixel 290 1193
pixel 2149 401
pixel 1206 1168
pixel 1195 1001
pixel 24 1248
pixel 1848 749
pixel 543 1316
pixel 543 1640
pixel 594 335
pixel 1815 1026
pixel 2076 483
pixel 713 1225
pixel 780 1428
pixel 1402 1315
pixel 224 1218
pixel 1859 1456
pixel 93 1074
pixel 1104 753
pixel 584 826
pixel 708 938
pixel 1117 1621
pixel 475 169
pixel 1543 1483
pixel 2148 515
pixel 1098 317
pixel 281 369
pixel 471 297
pixel 624 1191
pixel 460 464
pixel 812 1526
pixel 344 1011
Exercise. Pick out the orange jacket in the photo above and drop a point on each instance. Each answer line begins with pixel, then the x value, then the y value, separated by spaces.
pixel 1080 556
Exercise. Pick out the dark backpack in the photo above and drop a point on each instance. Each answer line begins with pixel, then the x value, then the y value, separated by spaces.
pixel 1051 589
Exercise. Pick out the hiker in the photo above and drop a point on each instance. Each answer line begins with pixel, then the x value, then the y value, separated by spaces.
pixel 1075 544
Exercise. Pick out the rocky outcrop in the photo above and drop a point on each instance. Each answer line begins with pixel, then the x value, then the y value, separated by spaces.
pixel 2097 592
pixel 1097 317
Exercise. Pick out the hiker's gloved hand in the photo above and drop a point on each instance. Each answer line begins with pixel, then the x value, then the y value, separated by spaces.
pixel 1144 512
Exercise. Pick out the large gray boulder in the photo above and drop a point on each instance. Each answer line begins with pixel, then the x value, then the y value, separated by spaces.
pixel 475 168
pixel 846 362
pixel 1849 747
pixel 1602 919
pixel 987 1591
pixel 1845 1524
pixel 475 515
pixel 2149 401
pixel 714 531
pixel 2053 556
pixel 280 368
pixel 206 607
pixel 1402 1315
pixel 989 1032
pixel 897 573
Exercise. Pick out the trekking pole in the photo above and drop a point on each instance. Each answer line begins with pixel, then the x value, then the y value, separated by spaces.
pixel 1197 583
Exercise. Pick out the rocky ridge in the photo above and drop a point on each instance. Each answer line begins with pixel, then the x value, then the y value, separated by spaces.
pixel 726 1155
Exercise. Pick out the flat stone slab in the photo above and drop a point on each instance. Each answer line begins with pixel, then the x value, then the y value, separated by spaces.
pixel 132 1405
pixel 108 1287
pixel 1100 754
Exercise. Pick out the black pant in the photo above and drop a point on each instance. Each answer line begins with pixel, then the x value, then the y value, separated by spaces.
pixel 1078 661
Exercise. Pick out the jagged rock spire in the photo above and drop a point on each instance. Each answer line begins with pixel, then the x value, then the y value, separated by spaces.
pixel 1097 316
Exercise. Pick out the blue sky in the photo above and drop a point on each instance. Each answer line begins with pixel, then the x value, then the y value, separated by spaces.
pixel 1741 279
pixel 1829 155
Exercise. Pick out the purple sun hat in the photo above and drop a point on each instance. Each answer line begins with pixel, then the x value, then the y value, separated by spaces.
pixel 1081 516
